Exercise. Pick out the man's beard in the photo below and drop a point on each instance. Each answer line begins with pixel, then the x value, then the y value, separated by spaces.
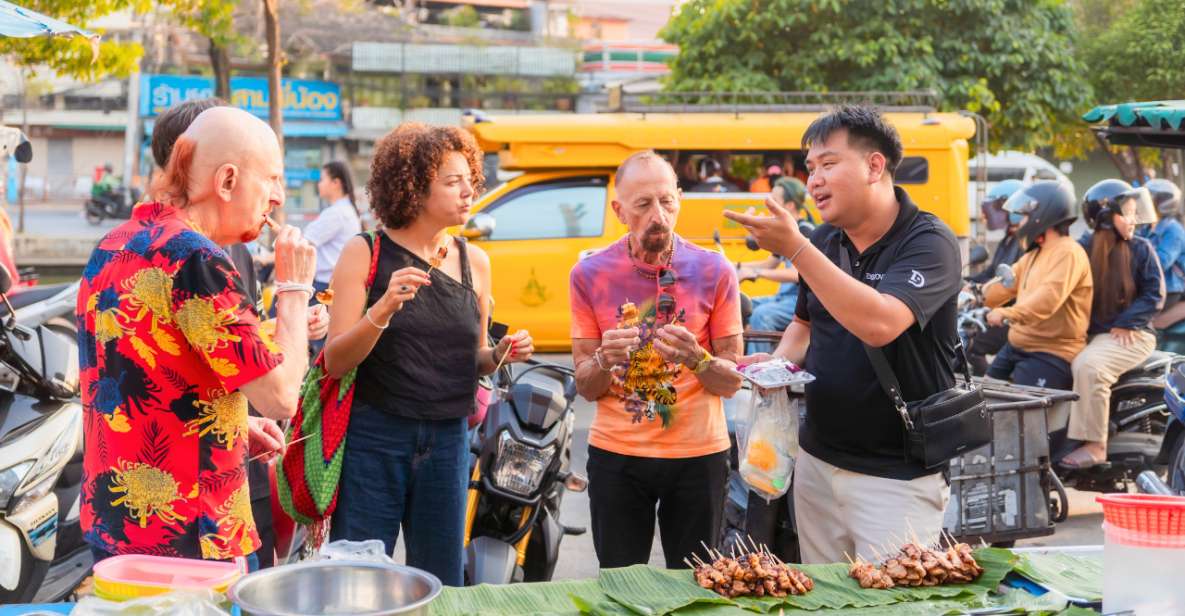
pixel 657 239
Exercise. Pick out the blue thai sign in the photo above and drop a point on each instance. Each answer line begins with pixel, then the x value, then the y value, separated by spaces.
pixel 303 99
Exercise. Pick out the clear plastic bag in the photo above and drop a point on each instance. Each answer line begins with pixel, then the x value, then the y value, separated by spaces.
pixel 177 603
pixel 767 459
pixel 371 551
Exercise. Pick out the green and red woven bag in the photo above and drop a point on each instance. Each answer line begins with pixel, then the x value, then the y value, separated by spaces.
pixel 309 472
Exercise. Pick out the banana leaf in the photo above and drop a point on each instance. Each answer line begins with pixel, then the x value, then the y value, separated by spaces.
pixel 1079 577
pixel 537 599
pixel 654 592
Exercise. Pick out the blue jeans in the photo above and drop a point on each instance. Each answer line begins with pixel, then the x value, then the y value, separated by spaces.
pixel 771 314
pixel 99 554
pixel 1025 368
pixel 408 472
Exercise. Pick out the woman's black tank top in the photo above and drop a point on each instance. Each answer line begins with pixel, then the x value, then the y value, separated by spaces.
pixel 424 365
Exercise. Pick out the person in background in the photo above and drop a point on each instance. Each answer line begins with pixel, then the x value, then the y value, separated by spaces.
pixel 1050 296
pixel 1129 291
pixel 337 222
pixel 991 340
pixel 168 127
pixel 771 172
pixel 775 312
pixel 1168 236
pixel 711 178
pixel 418 339
pixel 171 352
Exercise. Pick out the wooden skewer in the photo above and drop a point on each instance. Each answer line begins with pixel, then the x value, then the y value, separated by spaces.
pixel 271 224
pixel 688 563
pixel 849 557
pixel 707 549
pixel 268 453
pixel 504 356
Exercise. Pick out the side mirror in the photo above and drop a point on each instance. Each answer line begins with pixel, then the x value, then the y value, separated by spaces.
pixel 1006 275
pixel 481 225
pixel 978 255
pixel 5 280
pixel 24 152
pixel 751 243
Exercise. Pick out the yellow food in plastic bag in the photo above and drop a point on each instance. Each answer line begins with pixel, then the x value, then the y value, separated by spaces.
pixel 762 455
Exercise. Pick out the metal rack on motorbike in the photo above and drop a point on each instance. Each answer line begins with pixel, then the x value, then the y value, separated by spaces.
pixel 1004 491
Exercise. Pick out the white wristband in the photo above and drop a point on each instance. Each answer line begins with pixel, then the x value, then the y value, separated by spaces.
pixel 287 287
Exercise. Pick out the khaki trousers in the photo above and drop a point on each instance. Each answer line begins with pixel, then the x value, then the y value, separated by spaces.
pixel 1095 370
pixel 838 511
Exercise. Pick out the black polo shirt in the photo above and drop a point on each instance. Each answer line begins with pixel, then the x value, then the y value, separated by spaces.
pixel 850 422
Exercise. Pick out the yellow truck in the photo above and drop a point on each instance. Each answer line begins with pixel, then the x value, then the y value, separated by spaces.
pixel 556 206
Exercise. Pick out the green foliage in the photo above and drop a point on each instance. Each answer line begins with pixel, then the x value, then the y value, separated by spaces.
pixel 1135 54
pixel 1011 61
pixel 464 16
pixel 78 58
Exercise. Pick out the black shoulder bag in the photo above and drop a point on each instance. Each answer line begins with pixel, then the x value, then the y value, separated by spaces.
pixel 943 425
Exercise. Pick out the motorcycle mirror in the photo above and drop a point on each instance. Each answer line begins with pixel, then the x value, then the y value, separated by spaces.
pixel 978 255
pixel 23 152
pixel 751 243
pixel 716 237
pixel 569 389
pixel 1006 275
pixel 5 279
pixel 480 226
pixel 575 482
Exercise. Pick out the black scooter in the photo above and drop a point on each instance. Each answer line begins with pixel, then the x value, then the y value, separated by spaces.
pixel 520 473
pixel 115 204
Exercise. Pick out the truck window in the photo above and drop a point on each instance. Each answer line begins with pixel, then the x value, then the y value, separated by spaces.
pixel 912 170
pixel 572 207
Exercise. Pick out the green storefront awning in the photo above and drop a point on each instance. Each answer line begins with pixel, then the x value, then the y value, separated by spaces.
pixel 1158 124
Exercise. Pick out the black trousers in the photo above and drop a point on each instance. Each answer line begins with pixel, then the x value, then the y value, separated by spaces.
pixel 261 509
pixel 625 490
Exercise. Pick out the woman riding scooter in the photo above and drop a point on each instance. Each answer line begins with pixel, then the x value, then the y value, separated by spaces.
pixel 1129 290
pixel 1168 236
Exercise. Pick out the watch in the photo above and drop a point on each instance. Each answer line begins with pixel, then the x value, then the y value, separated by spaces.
pixel 704 361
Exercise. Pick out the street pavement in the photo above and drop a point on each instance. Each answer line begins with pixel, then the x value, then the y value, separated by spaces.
pixel 59 220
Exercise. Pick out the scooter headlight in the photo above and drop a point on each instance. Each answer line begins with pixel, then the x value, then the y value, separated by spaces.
pixel 519 467
pixel 11 478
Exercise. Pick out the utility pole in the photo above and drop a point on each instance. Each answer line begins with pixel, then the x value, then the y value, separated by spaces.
pixel 20 221
pixel 131 135
pixel 275 97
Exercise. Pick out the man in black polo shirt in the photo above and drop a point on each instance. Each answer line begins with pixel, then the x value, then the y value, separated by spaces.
pixel 854 486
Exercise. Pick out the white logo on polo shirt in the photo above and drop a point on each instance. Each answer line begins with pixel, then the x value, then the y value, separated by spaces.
pixel 917 279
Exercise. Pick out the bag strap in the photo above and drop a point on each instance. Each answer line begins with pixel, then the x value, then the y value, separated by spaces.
pixel 880 364
pixel 375 241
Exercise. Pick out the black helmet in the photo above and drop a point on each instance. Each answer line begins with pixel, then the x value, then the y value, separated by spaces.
pixel 1166 196
pixel 1046 204
pixel 1104 200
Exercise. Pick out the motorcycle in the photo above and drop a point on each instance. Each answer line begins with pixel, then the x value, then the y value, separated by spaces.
pixel 1143 435
pixel 42 554
pixel 520 473
pixel 115 204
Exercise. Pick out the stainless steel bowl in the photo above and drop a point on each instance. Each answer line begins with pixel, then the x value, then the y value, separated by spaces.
pixel 332 587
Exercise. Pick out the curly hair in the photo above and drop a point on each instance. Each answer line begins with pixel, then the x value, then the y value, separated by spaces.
pixel 406 161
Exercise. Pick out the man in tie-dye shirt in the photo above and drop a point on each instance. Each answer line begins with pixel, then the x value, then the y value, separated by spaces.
pixel 656 329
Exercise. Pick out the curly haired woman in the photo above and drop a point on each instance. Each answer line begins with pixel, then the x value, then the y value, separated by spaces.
pixel 418 340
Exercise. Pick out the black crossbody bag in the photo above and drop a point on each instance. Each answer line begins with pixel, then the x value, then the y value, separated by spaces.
pixel 943 425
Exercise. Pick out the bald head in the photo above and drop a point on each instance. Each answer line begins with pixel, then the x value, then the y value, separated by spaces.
pixel 228 168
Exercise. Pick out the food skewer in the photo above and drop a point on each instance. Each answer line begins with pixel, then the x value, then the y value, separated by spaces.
pixel 438 258
pixel 271 223
pixel 268 453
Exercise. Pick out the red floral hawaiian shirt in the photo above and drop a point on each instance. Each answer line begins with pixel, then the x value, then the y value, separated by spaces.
pixel 167 336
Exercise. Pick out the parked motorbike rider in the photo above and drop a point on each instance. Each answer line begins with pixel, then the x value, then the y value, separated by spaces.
pixel 1052 292
pixel 990 342
pixel 1130 291
pixel 1168 236
pixel 774 312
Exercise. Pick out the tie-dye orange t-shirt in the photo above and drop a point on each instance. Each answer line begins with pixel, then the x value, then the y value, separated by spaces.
pixel 689 421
